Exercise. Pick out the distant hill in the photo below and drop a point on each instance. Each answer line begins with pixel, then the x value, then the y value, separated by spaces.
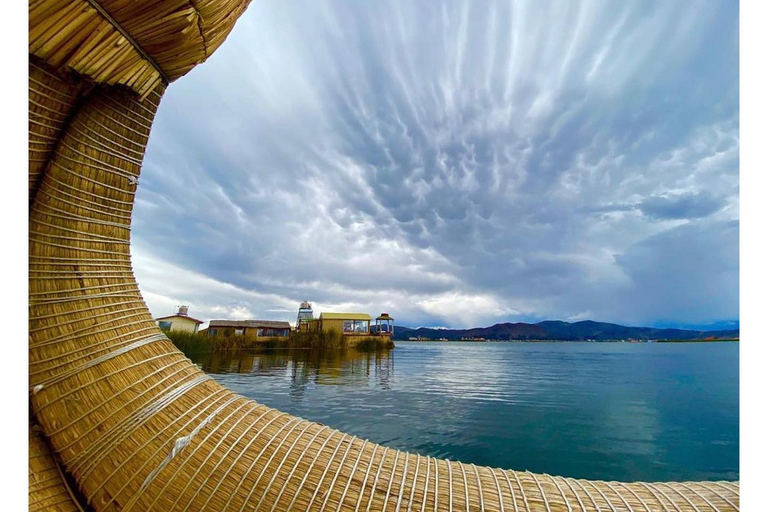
pixel 562 331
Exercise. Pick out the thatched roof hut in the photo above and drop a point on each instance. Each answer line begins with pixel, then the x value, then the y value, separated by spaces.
pixel 127 417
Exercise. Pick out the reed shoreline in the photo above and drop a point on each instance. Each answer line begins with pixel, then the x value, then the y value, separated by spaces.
pixel 197 343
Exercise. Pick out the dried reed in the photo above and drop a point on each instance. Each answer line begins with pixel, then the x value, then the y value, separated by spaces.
pixel 136 424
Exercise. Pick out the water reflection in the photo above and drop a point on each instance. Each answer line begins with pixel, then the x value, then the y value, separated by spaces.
pixel 304 367
pixel 607 411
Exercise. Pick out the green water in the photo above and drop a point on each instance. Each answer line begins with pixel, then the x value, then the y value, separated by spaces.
pixel 614 411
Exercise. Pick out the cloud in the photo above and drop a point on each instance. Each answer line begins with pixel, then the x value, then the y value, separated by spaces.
pixel 698 261
pixel 454 163
pixel 681 206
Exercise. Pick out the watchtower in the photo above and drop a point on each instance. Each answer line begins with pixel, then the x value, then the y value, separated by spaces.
pixel 385 325
pixel 305 316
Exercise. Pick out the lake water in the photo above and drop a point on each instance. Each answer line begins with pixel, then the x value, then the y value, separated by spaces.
pixel 612 411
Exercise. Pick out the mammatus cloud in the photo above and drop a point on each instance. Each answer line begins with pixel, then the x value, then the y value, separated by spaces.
pixel 452 163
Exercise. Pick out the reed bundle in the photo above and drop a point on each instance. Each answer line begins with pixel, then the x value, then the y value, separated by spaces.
pixel 51 99
pixel 133 421
pixel 48 490
pixel 136 43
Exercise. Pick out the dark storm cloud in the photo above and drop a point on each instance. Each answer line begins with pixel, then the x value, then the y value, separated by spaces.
pixel 454 163
pixel 683 206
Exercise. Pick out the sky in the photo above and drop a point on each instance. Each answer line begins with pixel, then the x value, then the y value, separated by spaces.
pixel 452 163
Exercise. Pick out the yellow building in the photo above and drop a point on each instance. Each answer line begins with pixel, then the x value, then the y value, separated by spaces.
pixel 250 328
pixel 181 321
pixel 348 324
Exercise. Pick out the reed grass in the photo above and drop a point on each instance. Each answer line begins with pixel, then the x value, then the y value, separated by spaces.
pixel 200 343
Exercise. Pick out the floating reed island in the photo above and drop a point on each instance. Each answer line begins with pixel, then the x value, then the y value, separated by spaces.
pixel 117 407
pixel 330 331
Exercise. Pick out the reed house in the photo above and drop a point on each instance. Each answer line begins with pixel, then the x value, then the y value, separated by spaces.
pixel 348 324
pixel 181 321
pixel 250 328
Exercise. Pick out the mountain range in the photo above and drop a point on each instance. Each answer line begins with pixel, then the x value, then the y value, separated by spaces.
pixel 561 331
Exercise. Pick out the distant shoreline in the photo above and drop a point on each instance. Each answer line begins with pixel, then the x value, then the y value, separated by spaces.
pixel 574 341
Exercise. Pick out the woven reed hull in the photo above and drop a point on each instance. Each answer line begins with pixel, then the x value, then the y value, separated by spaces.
pixel 141 428
pixel 47 489
pixel 51 100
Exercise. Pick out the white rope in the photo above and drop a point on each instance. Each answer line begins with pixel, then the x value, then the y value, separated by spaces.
pixel 49 88
pixel 109 211
pixel 91 238
pixel 578 498
pixel 113 119
pixel 589 495
pixel 70 391
pixel 276 471
pixel 109 146
pixel 250 442
pixel 325 470
pixel 697 493
pixel 128 115
pixel 112 438
pixel 207 402
pixel 112 397
pixel 54 161
pixel 90 348
pixel 437 485
pixel 272 457
pixel 87 119
pixel 498 489
pixel 309 468
pixel 466 486
pixel 329 489
pixel 613 509
pixel 193 479
pixel 426 489
pixel 413 485
pixel 101 197
pixel 390 480
pixel 94 362
pixel 365 479
pixel 375 480
pixel 110 102
pixel 695 508
pixel 106 325
pixel 224 476
pixel 37 240
pixel 80 320
pixel 158 494
pixel 565 499
pixel 655 495
pixel 123 294
pixel 541 490
pixel 617 493
pixel 729 502
pixel 291 421
pixel 402 483
pixel 522 491
pixel 86 160
pixel 479 489
pixel 450 486
pixel 181 443
pixel 293 469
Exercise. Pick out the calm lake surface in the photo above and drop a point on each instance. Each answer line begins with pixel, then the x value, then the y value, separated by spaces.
pixel 613 411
